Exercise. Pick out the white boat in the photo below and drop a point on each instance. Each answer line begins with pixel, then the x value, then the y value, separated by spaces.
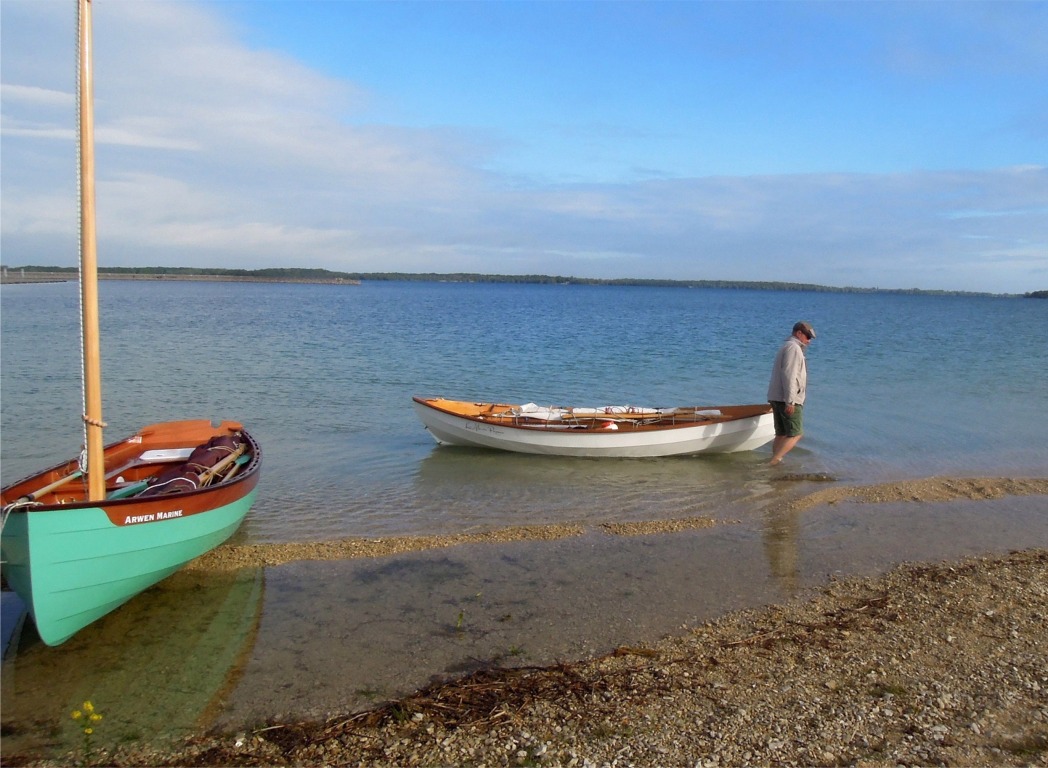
pixel 625 431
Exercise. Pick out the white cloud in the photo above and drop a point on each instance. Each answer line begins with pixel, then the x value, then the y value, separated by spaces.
pixel 28 94
pixel 211 153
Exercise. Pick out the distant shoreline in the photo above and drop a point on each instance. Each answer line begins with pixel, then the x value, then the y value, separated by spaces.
pixel 25 278
pixel 42 274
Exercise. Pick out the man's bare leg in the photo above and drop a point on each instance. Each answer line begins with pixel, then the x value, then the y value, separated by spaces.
pixel 781 446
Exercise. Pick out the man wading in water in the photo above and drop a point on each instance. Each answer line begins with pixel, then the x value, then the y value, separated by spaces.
pixel 789 380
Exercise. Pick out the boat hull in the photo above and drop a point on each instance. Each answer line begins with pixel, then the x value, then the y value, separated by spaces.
pixel 72 562
pixel 751 428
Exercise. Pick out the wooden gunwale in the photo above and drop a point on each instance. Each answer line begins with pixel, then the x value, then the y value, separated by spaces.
pixel 117 457
pixel 503 415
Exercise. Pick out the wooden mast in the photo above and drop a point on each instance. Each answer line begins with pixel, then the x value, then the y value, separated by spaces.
pixel 92 354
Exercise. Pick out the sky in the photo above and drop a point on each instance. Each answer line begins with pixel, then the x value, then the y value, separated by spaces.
pixel 867 144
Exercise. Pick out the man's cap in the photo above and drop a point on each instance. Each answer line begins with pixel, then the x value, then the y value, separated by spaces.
pixel 806 328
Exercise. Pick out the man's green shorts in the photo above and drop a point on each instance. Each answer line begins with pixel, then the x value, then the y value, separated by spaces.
pixel 788 425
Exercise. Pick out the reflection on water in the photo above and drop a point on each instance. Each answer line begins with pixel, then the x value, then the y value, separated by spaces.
pixel 154 668
pixel 781 533
pixel 452 489
pixel 467 488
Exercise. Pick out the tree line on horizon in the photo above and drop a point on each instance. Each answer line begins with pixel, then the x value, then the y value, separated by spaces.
pixel 301 273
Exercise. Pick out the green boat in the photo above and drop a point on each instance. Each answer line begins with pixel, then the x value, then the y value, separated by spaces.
pixel 85 536
pixel 73 560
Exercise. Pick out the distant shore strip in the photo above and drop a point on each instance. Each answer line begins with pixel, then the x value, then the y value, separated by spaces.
pixel 50 274
pixel 16 278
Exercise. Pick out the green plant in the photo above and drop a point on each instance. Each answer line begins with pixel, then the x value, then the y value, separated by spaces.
pixel 86 718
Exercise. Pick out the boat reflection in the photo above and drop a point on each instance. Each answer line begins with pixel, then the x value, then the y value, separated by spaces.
pixel 781 536
pixel 157 668
pixel 452 463
pixel 467 487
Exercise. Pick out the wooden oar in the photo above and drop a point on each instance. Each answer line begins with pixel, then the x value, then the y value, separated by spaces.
pixel 241 461
pixel 133 489
pixel 209 474
pixel 148 457
pixel 49 487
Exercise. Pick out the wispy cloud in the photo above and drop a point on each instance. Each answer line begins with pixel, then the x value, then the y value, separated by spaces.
pixel 211 152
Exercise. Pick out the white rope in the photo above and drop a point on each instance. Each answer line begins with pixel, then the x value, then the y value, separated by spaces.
pixel 80 214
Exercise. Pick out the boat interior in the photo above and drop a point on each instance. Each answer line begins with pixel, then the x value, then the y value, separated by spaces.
pixel 155 462
pixel 601 418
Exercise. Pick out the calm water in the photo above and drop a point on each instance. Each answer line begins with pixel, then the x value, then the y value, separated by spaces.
pixel 900 386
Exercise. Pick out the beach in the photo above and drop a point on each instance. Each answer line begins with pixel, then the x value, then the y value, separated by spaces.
pixel 941 663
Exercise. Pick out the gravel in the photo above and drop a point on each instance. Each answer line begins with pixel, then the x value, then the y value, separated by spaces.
pixel 930 664
pixel 943 664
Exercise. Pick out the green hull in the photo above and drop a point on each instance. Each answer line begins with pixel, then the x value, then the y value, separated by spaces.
pixel 73 566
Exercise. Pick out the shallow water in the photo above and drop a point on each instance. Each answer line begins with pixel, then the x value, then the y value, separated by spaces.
pixel 901 387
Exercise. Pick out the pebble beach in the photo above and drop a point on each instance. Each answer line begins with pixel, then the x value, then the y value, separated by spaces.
pixel 929 664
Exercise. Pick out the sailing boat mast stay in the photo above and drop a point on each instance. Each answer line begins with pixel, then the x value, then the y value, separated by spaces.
pixel 92 355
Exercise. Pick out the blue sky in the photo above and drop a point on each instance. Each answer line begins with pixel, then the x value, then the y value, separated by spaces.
pixel 873 144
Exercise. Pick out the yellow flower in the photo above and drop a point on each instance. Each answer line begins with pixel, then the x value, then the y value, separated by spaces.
pixel 89 707
pixel 77 714
pixel 89 731
pixel 95 717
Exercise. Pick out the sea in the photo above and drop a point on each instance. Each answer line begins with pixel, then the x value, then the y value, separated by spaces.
pixel 901 386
